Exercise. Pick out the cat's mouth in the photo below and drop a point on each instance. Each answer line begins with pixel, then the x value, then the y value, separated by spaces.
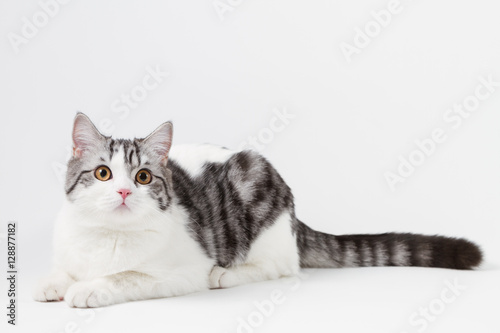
pixel 123 207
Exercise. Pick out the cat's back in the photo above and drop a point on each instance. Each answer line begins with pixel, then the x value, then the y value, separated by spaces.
pixel 207 165
pixel 192 158
pixel 211 164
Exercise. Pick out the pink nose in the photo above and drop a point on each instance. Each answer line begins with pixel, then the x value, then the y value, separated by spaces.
pixel 124 193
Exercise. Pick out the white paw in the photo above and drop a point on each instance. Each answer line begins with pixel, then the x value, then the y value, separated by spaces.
pixel 52 288
pixel 215 277
pixel 89 294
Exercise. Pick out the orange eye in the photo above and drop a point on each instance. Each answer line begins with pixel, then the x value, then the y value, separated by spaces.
pixel 103 173
pixel 143 177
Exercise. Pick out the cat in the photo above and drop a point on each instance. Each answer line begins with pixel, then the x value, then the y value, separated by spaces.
pixel 143 219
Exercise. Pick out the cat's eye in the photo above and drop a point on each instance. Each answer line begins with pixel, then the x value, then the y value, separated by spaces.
pixel 143 177
pixel 103 173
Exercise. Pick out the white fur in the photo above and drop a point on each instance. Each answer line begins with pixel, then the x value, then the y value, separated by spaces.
pixel 105 256
pixel 192 157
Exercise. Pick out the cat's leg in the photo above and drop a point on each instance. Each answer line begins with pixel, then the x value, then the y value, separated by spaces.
pixel 251 272
pixel 112 289
pixel 53 287
pixel 131 286
pixel 272 255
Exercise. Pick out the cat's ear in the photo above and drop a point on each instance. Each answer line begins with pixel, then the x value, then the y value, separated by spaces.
pixel 160 141
pixel 85 135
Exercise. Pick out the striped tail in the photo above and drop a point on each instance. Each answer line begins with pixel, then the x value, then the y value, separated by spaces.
pixel 320 250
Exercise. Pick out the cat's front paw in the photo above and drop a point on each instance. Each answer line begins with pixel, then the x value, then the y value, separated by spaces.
pixel 52 288
pixel 215 277
pixel 89 294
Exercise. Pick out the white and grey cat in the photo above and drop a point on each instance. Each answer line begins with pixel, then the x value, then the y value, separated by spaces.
pixel 143 219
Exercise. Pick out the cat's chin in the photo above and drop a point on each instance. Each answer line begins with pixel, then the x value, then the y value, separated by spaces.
pixel 123 209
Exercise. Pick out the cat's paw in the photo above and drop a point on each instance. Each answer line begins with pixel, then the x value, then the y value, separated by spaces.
pixel 215 277
pixel 89 294
pixel 221 277
pixel 52 288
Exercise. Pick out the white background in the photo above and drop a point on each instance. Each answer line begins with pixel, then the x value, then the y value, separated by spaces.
pixel 352 121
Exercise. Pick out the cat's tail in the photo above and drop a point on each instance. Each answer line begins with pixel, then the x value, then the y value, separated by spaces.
pixel 320 250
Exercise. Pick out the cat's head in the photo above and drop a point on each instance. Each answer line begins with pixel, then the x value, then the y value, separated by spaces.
pixel 116 180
